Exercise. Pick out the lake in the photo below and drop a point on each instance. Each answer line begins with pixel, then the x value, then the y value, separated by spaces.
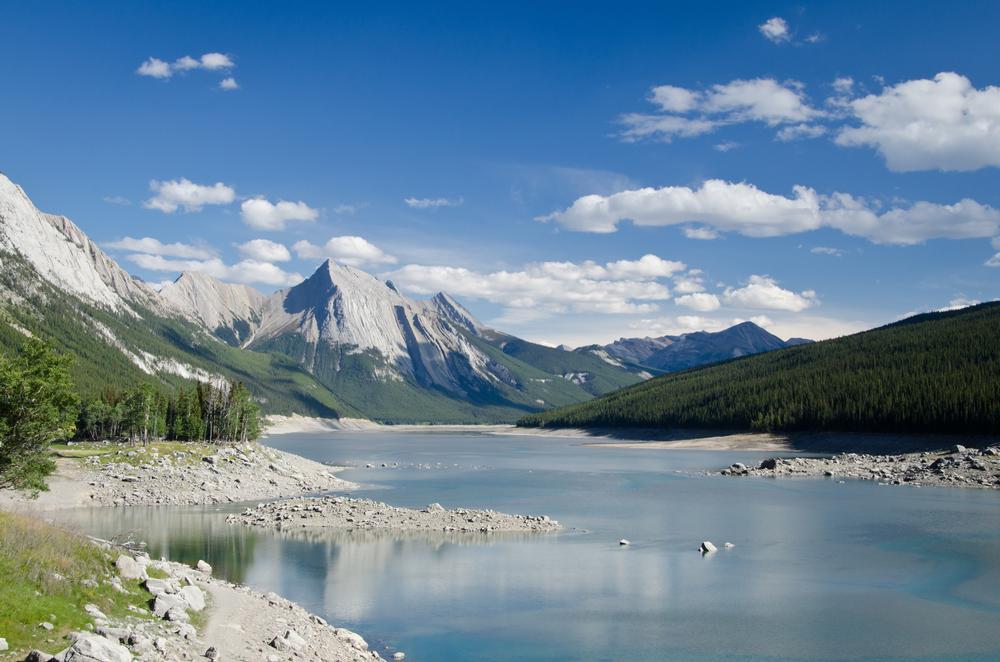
pixel 820 570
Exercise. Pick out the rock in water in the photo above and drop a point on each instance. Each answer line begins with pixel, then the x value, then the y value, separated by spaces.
pixel 624 541
pixel 90 648
pixel 707 547
pixel 728 545
pixel 399 655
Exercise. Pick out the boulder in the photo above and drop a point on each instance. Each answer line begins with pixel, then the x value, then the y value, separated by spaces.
pixel 399 655
pixel 959 448
pixel 738 467
pixel 203 568
pixel 769 463
pixel 165 602
pixel 624 542
pixel 707 547
pixel 129 569
pixel 177 614
pixel 434 508
pixel 90 648
pixel 194 597
pixel 294 639
pixel 352 638
pixel 212 653
pixel 94 611
pixel 38 656
pixel 728 545
pixel 3 644
pixel 157 586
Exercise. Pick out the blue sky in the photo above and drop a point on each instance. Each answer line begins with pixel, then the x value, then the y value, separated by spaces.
pixel 817 168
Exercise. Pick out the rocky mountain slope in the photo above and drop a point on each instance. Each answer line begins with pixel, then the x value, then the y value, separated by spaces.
pixel 342 342
pixel 673 353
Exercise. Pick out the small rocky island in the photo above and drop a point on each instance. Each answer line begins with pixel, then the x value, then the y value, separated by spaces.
pixel 338 512
pixel 959 467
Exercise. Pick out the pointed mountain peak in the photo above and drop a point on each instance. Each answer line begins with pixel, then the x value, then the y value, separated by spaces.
pixel 452 310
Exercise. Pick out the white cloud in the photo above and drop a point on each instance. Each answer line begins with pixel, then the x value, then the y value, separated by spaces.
pixel 620 287
pixel 229 84
pixel 262 214
pixel 944 124
pixel 764 293
pixel 157 68
pixel 700 301
pixel 993 261
pixel 775 29
pixel 153 246
pixel 689 283
pixel 703 234
pixel 960 302
pixel 826 250
pixel 966 219
pixel 688 113
pixel 246 271
pixel 213 61
pixel 721 206
pixel 725 146
pixel 843 84
pixel 265 250
pixel 355 251
pixel 672 99
pixel 119 200
pixel 800 131
pixel 183 193
pixel 430 203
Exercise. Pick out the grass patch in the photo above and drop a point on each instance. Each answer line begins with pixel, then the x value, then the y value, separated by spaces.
pixel 43 570
pixel 113 452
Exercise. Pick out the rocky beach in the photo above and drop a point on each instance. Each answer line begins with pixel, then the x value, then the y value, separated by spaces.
pixel 335 512
pixel 959 467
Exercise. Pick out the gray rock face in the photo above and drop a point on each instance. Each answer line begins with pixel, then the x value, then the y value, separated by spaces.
pixel 165 602
pixel 194 597
pixel 90 648
pixel 707 547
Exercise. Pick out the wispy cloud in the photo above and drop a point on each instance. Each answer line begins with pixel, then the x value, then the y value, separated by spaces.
pixel 430 203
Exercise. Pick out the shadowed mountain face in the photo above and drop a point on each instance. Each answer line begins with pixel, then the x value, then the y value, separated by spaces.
pixel 673 353
pixel 342 342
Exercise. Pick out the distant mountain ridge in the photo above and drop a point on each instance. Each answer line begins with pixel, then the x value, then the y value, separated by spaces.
pixel 931 373
pixel 341 343
pixel 673 353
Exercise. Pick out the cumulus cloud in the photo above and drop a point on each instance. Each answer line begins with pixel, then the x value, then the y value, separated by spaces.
pixel 775 29
pixel 229 84
pixel 687 113
pixel 355 251
pixel 174 194
pixel 944 124
pixel 262 214
pixel 764 293
pixel 623 286
pixel 704 234
pixel 701 301
pixel 723 206
pixel 431 203
pixel 153 246
pixel 157 68
pixel 826 250
pixel 689 283
pixel 246 271
pixel 264 250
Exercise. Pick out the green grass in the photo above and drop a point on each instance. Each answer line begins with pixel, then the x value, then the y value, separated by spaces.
pixel 33 556
pixel 116 452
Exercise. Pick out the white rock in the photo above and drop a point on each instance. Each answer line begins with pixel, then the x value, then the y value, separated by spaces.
pixel 728 545
pixel 3 644
pixel 399 655
pixel 624 541
pixel 707 547
pixel 94 611
pixel 91 648
pixel 204 568
pixel 194 597
pixel 434 508
pixel 129 569
pixel 165 602
pixel 352 638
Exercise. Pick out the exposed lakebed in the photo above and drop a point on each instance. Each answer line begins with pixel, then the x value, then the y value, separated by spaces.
pixel 819 570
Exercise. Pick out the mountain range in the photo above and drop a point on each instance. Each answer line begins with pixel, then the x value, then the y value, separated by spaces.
pixel 340 343
pixel 673 353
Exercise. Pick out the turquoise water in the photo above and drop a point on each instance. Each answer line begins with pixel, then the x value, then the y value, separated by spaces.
pixel 819 571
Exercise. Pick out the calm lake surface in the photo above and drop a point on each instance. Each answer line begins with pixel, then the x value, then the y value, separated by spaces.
pixel 819 571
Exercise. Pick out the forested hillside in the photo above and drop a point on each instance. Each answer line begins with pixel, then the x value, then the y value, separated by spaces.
pixel 937 372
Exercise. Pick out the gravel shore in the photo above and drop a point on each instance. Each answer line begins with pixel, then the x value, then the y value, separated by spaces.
pixel 233 473
pixel 365 514
pixel 185 614
pixel 959 467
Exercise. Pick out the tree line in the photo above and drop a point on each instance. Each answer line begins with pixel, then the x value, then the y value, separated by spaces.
pixel 39 405
pixel 937 372
pixel 220 413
